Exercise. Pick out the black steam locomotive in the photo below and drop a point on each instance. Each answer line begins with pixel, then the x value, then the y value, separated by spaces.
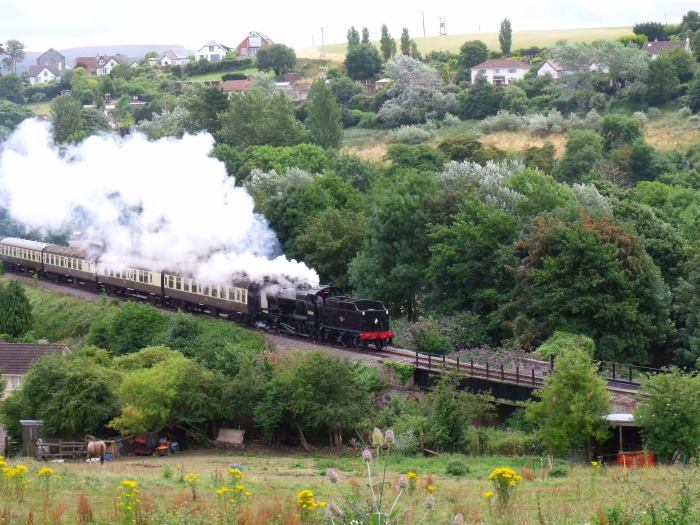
pixel 319 313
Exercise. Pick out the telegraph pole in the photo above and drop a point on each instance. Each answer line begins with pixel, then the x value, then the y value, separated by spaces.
pixel 323 44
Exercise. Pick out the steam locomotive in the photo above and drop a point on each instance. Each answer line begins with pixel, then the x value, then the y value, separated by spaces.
pixel 318 313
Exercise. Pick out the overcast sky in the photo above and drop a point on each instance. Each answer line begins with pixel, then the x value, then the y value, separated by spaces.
pixel 62 24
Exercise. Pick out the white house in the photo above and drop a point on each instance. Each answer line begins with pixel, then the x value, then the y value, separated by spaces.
pixel 551 68
pixel 49 67
pixel 169 58
pixel 656 49
pixel 212 51
pixel 500 72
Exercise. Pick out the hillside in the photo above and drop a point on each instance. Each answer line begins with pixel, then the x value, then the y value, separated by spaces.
pixel 130 50
pixel 452 43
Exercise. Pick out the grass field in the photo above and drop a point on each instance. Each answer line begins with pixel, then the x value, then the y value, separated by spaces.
pixel 275 480
pixel 452 43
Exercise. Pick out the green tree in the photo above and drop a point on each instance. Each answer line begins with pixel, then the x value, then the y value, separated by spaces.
pixel 256 119
pixel 363 62
pixel 353 38
pixel 11 88
pixel 451 411
pixel 14 54
pixel 619 130
pixel 480 100
pixel 67 120
pixel 505 36
pixel 670 424
pixel 365 36
pixel 324 115
pixel 651 30
pixel 12 114
pixel 472 53
pixel 395 248
pixel 405 42
pixel 314 394
pixel 693 94
pixel 15 310
pixel 276 57
pixel 583 149
pixel 572 405
pixel 387 45
pixel 420 157
pixel 589 277
pixel 203 105
pixel 71 394
pixel 663 83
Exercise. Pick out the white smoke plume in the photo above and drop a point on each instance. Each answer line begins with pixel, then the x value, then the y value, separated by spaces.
pixel 154 205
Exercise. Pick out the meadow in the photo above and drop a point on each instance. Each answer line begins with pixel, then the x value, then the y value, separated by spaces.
pixel 521 40
pixel 189 488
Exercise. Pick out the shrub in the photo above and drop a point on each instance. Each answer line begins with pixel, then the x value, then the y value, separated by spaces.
pixel 450 120
pixel 501 121
pixel 653 113
pixel 409 135
pixel 427 337
pixel 641 116
pixel 559 471
pixel 685 111
pixel 407 444
pixel 457 467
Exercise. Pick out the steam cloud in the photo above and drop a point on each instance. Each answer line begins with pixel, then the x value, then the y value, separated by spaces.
pixel 154 205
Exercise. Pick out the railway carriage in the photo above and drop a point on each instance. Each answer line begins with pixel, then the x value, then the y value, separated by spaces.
pixel 21 255
pixel 129 282
pixel 69 265
pixel 237 299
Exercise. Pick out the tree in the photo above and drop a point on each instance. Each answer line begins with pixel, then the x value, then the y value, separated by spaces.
pixel 451 411
pixel 365 36
pixel 619 130
pixel 15 310
pixel 255 119
pixel 11 88
pixel 589 277
pixel 344 89
pixel 572 56
pixel 66 117
pixel 353 38
pixel 387 45
pixel 480 100
pixel 693 95
pixel 314 394
pixel 572 406
pixel 663 83
pixel 363 62
pixel 691 21
pixel 11 115
pixel 583 149
pixel 651 30
pixel 324 115
pixel 472 53
pixel 276 57
pixel 669 423
pixel 71 394
pixel 204 105
pixel 505 36
pixel 14 54
pixel 405 42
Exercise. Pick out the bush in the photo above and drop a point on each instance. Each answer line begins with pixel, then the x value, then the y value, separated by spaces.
pixel 233 76
pixel 559 471
pixel 457 467
pixel 427 337
pixel 501 121
pixel 407 444
pixel 653 113
pixel 685 111
pixel 409 135
pixel 450 120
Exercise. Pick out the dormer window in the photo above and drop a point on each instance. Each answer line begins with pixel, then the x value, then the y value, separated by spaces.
pixel 101 61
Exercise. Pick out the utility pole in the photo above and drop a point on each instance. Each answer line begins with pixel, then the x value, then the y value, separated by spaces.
pixel 323 44
pixel 423 15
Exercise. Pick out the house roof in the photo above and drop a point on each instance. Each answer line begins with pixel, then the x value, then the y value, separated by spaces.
pixel 552 64
pixel 90 63
pixel 657 48
pixel 501 63
pixel 15 358
pixel 172 55
pixel 261 35
pixel 35 70
pixel 236 86
pixel 215 43
pixel 49 51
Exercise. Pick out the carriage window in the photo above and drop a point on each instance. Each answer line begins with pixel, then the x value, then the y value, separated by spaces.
pixel 215 291
pixel 178 283
pixel 79 265
pixel 70 263
pixel 231 294
pixel 186 286
pixel 244 296
pixel 205 290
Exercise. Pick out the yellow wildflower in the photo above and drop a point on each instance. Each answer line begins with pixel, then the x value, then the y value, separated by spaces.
pixel 488 495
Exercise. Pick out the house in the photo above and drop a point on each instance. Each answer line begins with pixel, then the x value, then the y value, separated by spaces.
pixel 500 72
pixel 169 58
pixel 101 64
pixel 15 360
pixel 49 67
pixel 250 45
pixel 212 51
pixel 655 49
pixel 551 68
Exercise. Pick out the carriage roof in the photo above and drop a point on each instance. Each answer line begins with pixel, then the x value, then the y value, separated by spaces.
pixel 24 243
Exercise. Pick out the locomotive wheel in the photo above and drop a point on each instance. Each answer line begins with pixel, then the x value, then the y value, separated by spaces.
pixel 379 343
pixel 298 330
pixel 345 339
pixel 357 342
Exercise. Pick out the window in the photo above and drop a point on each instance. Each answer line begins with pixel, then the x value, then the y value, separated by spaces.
pixel 482 71
pixel 186 286
pixel 143 277
pixel 512 71
pixel 211 48
pixel 253 51
pixel 205 290
pixel 215 291
pixel 244 298
pixel 214 58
